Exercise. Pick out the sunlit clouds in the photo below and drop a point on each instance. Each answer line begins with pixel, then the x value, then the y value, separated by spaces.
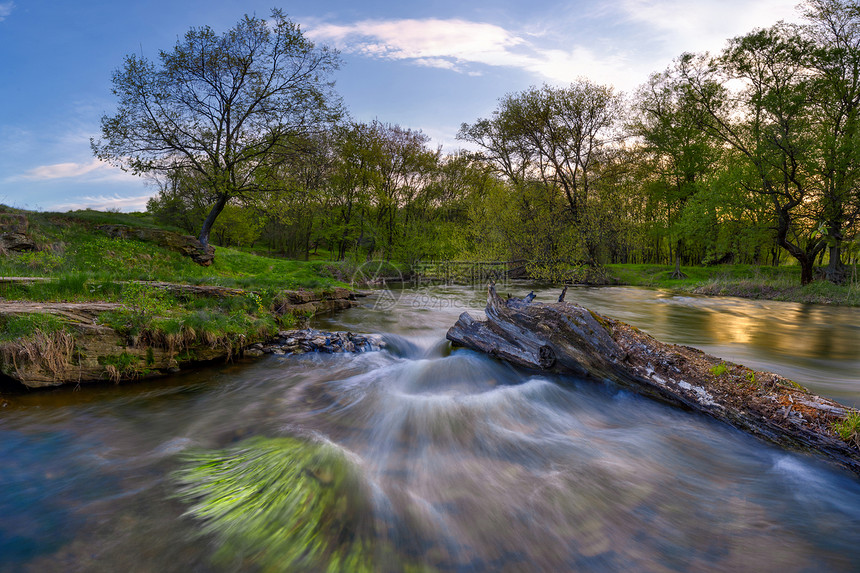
pixel 104 202
pixel 463 46
pixel 683 26
pixel 60 171
pixel 93 170
pixel 595 47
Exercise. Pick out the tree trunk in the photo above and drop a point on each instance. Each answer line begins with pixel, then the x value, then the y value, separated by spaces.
pixel 835 271
pixel 210 219
pixel 568 339
pixel 677 274
pixel 806 268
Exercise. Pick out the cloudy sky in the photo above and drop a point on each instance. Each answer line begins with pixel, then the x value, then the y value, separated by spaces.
pixel 423 65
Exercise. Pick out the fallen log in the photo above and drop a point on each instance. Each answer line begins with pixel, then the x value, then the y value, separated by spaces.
pixel 566 338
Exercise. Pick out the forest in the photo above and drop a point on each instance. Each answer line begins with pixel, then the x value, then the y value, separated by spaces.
pixel 746 156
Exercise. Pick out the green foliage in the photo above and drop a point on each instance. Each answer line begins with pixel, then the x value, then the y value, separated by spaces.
pixel 719 370
pixel 282 504
pixel 43 261
pixel 91 263
pixel 123 361
pixel 92 218
pixel 263 79
pixel 108 257
pixel 127 366
pixel 848 428
pixel 143 303
pixel 24 326
pixel 236 226
pixel 217 326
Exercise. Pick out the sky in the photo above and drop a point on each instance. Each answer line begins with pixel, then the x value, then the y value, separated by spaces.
pixel 423 65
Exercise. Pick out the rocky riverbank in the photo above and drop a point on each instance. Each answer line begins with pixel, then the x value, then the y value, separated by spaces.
pixel 73 344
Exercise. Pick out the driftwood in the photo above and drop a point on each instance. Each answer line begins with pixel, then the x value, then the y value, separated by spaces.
pixel 566 338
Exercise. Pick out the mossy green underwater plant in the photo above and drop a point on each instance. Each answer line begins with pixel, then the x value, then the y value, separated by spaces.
pixel 281 504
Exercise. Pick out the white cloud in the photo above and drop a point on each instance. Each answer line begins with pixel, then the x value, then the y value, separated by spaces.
pixel 442 43
pixel 459 45
pixel 617 44
pixel 705 25
pixel 95 170
pixel 103 202
pixel 5 9
pixel 60 171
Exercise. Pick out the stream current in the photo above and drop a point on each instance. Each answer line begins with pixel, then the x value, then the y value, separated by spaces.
pixel 481 467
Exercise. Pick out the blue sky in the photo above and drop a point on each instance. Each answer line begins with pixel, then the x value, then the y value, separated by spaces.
pixel 424 65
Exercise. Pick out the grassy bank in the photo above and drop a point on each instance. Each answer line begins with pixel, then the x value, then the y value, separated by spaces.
pixel 83 264
pixel 244 298
pixel 748 281
pixel 71 249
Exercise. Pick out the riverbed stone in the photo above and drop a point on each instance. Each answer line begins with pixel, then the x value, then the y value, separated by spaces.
pixel 309 340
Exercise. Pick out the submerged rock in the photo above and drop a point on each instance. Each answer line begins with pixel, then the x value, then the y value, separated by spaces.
pixel 310 340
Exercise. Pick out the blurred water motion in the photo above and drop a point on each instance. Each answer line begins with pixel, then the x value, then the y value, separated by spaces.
pixel 422 459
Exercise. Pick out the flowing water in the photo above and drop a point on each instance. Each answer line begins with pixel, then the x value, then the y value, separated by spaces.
pixel 462 463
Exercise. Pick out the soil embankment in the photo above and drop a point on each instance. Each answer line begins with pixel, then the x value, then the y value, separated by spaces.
pixel 85 349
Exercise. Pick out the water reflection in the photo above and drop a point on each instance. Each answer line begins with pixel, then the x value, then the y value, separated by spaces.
pixel 455 462
pixel 815 345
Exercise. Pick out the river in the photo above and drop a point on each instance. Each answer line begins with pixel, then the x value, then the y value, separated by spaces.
pixel 458 462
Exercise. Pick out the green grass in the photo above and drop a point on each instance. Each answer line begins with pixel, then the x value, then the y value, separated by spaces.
pixel 748 281
pixel 150 316
pixel 848 428
pixel 660 275
pixel 24 326
pixel 84 262
pixel 111 218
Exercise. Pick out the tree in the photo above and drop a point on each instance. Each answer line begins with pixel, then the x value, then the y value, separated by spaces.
pixel 834 28
pixel 225 107
pixel 555 136
pixel 755 99
pixel 667 121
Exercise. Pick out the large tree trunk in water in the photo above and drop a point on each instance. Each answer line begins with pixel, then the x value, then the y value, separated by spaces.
pixel 569 339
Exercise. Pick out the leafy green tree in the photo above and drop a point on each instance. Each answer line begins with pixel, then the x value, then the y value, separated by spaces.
pixel 755 99
pixel 668 121
pixel 182 200
pixel 557 137
pixel 237 226
pixel 223 107
pixel 558 133
pixel 295 207
pixel 834 29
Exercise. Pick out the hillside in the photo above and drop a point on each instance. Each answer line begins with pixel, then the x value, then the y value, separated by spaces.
pixel 78 304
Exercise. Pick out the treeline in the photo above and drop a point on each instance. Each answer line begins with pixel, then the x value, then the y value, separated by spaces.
pixel 748 156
